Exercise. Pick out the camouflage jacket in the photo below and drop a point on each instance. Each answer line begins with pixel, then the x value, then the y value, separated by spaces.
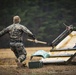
pixel 15 32
pixel 74 28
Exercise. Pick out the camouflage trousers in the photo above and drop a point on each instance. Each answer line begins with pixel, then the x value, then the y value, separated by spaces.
pixel 19 50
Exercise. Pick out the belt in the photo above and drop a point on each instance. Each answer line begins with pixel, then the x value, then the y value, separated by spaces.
pixel 16 41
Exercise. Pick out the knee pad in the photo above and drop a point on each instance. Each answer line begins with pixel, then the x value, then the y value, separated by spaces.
pixel 22 58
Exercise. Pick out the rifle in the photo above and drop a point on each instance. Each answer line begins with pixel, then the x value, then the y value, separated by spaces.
pixel 37 41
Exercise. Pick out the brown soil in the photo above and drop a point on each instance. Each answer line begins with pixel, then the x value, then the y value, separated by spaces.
pixel 8 65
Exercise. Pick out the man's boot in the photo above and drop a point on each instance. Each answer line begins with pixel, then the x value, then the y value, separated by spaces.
pixel 19 64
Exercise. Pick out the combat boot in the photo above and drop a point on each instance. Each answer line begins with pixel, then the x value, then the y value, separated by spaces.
pixel 19 64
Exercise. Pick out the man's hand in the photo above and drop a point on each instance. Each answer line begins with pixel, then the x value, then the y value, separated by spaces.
pixel 69 27
pixel 36 41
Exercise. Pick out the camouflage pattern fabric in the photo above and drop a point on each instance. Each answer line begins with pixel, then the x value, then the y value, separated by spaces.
pixel 19 50
pixel 15 33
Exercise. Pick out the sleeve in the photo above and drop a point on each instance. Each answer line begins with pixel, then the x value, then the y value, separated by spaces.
pixel 26 30
pixel 4 31
pixel 74 28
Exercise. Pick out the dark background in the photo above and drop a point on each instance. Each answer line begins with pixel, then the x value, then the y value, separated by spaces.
pixel 44 18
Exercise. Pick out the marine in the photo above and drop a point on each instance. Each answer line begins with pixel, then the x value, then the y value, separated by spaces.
pixel 15 32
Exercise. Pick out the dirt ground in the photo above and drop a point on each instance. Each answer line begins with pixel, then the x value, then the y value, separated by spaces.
pixel 8 65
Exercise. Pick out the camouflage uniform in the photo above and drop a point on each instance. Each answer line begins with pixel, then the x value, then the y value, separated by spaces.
pixel 15 32
pixel 74 28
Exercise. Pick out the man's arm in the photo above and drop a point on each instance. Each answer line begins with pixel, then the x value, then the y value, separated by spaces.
pixel 71 28
pixel 26 30
pixel 4 31
pixel 74 28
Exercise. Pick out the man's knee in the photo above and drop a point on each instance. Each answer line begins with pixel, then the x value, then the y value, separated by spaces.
pixel 22 57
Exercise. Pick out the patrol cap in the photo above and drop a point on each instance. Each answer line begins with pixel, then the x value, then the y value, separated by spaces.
pixel 16 19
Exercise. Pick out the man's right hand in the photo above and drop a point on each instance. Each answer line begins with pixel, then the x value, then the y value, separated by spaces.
pixel 69 27
pixel 36 41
